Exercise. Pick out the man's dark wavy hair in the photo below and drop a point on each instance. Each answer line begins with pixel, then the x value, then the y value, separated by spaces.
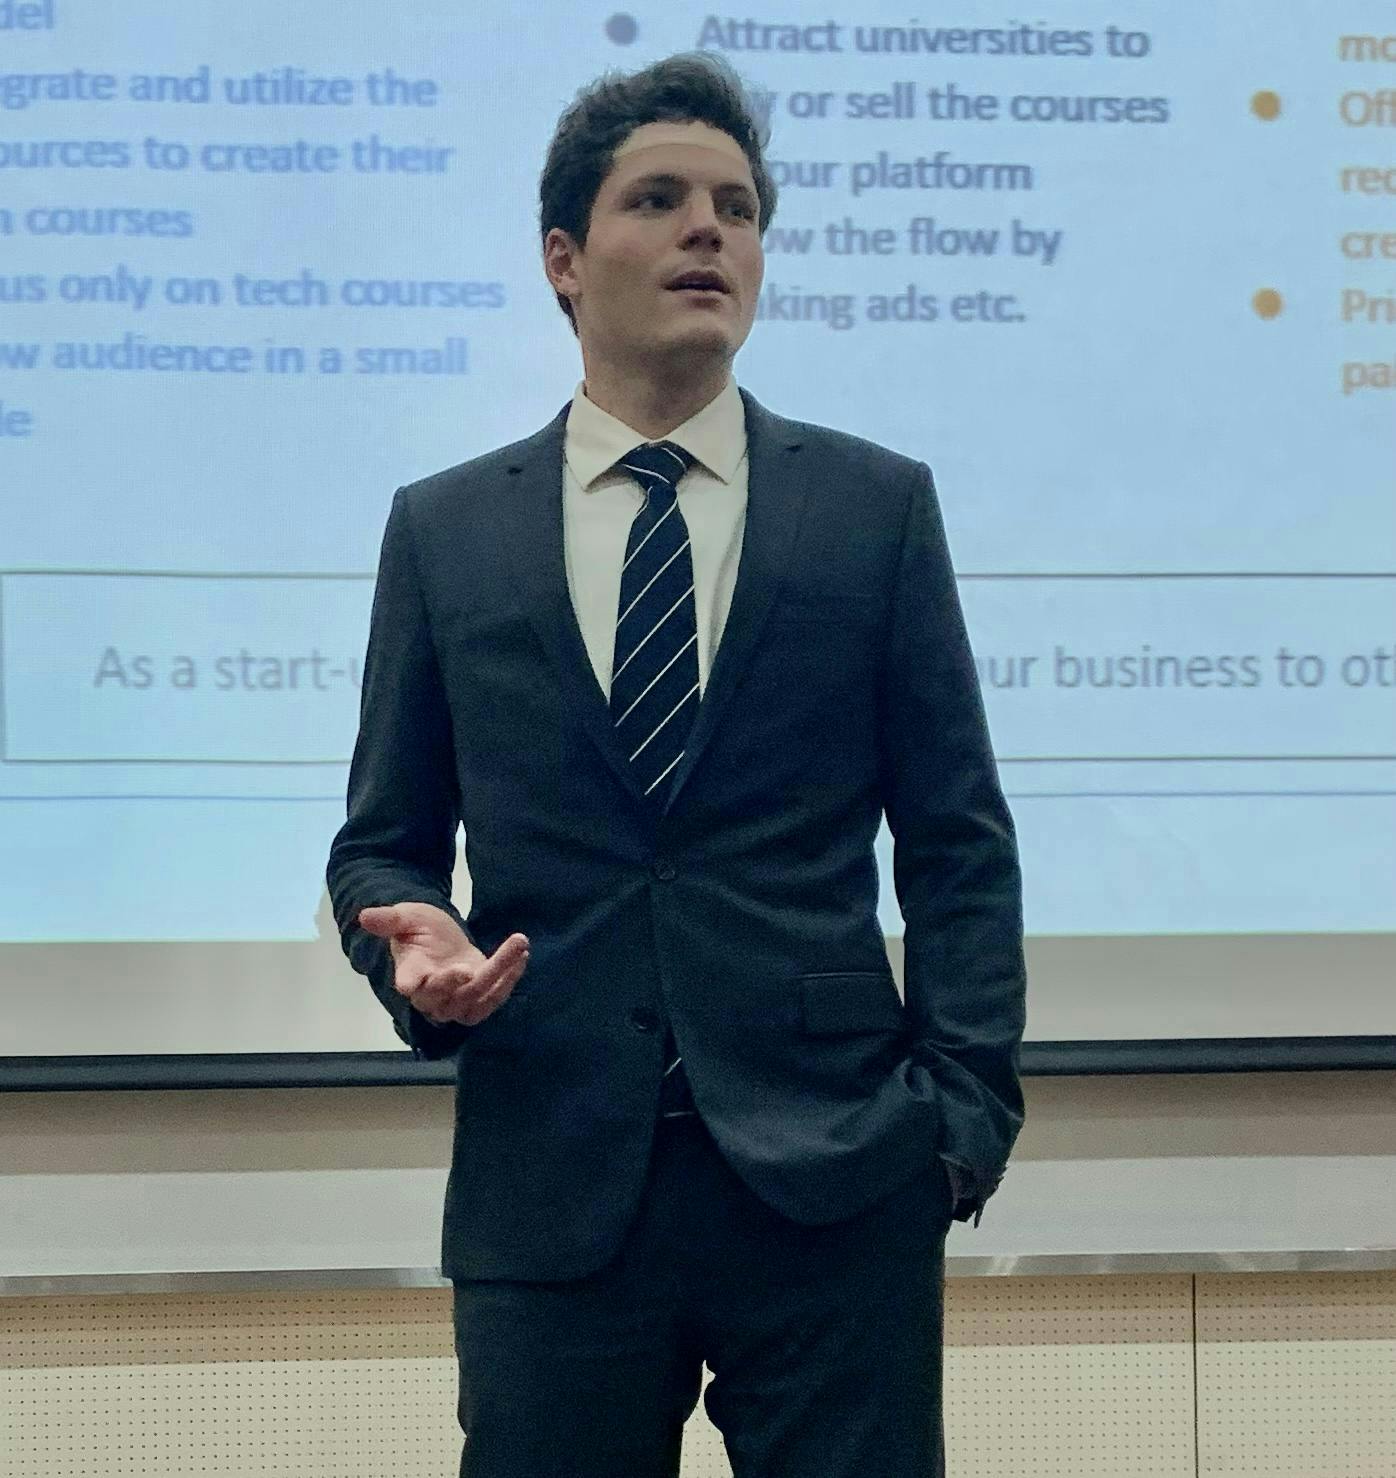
pixel 693 87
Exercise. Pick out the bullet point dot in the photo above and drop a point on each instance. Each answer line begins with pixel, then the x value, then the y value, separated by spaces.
pixel 1268 303
pixel 622 29
pixel 1266 105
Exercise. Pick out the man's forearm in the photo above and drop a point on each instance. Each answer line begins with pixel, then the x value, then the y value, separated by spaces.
pixel 955 860
pixel 398 842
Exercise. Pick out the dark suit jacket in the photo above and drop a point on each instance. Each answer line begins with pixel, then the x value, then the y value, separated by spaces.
pixel 746 914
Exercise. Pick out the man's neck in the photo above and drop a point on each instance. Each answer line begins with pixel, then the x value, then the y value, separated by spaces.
pixel 654 407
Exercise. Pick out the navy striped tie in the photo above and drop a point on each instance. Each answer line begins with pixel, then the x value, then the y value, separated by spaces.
pixel 654 678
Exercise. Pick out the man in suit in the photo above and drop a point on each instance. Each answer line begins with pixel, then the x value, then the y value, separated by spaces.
pixel 669 660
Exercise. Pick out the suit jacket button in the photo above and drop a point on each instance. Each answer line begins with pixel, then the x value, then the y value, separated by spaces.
pixel 644 1020
pixel 664 870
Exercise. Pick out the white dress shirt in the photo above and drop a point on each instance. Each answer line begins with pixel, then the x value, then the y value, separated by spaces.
pixel 600 501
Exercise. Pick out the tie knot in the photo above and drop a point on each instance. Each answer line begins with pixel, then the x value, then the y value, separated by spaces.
pixel 657 462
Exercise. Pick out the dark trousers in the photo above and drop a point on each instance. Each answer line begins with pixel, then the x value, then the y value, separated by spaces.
pixel 824 1342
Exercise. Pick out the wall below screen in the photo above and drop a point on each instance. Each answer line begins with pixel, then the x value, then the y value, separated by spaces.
pixel 210 1181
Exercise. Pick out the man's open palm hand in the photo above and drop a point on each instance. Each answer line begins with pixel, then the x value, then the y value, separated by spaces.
pixel 439 970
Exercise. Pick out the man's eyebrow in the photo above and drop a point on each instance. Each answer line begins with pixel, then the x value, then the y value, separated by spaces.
pixel 678 181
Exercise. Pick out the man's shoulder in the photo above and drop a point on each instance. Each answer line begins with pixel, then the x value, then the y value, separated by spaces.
pixel 477 474
pixel 837 448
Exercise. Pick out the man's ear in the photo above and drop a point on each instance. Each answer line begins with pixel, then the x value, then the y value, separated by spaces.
pixel 559 261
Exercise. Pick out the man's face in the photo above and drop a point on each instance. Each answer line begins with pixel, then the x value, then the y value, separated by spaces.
pixel 679 200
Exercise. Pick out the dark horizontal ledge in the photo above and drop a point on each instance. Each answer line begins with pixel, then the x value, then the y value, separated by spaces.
pixel 1209 1055
pixel 396 1069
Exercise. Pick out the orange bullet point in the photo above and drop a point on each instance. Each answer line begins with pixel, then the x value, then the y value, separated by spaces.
pixel 1268 303
pixel 1266 105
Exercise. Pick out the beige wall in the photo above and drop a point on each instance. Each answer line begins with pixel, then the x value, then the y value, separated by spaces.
pixel 1094 1377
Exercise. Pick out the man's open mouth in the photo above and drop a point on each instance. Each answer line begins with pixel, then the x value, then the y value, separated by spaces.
pixel 706 283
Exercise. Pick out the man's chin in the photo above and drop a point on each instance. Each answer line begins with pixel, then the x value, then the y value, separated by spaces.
pixel 696 340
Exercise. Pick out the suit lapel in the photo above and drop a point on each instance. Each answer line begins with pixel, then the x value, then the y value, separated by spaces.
pixel 533 537
pixel 776 491
pixel 534 540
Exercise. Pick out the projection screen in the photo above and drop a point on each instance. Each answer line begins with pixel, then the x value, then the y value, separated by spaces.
pixel 1124 277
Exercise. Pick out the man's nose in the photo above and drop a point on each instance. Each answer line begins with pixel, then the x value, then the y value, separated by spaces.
pixel 701 221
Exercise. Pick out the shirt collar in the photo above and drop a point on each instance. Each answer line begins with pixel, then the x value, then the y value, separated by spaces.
pixel 715 436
